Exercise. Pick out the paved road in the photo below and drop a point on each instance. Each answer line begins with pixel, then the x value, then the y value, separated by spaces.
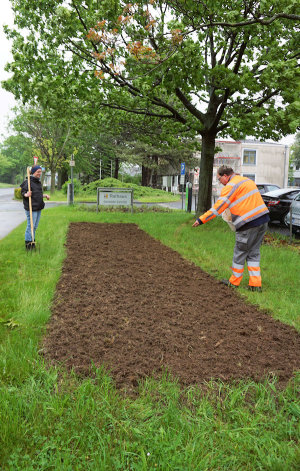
pixel 12 212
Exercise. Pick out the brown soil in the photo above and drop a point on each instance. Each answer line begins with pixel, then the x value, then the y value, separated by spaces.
pixel 128 302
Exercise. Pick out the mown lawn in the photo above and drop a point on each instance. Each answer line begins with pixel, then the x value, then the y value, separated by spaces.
pixel 53 420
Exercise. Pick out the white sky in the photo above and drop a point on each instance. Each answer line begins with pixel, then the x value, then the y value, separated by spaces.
pixel 7 100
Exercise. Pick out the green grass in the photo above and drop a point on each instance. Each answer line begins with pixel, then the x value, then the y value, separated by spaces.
pixel 53 421
pixel 6 185
pixel 88 193
pixel 82 197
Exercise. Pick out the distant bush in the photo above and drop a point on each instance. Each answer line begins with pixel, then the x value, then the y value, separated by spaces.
pixel 139 191
pixel 105 183
pixel 77 186
pixel 17 193
pixel 136 179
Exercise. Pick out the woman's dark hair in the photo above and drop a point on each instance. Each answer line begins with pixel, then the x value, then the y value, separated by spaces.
pixel 223 170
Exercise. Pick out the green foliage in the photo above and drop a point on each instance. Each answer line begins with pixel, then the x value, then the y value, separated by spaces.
pixel 18 194
pixel 53 420
pixel 295 151
pixel 205 68
pixel 76 183
pixel 136 179
pixel 138 193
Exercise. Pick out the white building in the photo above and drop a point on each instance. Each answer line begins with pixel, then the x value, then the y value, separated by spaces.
pixel 263 162
pixel 295 180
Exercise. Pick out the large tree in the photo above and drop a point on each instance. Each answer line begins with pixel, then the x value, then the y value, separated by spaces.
pixel 16 154
pixel 209 67
pixel 50 136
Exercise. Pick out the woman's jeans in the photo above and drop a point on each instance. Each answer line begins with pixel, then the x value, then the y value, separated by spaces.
pixel 35 219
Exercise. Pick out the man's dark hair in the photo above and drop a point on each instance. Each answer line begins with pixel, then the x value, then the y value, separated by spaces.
pixel 223 170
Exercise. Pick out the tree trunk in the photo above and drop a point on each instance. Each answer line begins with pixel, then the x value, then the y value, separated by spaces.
pixel 62 177
pixel 154 173
pixel 146 174
pixel 117 167
pixel 53 172
pixel 206 173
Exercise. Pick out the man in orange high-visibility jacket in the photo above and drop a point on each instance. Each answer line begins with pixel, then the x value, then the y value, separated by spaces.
pixel 250 217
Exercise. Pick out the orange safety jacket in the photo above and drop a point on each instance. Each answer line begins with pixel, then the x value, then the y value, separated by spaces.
pixel 243 199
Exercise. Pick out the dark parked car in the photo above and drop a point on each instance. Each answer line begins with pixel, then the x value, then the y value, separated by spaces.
pixel 279 201
pixel 266 187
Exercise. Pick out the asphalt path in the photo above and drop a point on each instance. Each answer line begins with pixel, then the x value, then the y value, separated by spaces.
pixel 12 212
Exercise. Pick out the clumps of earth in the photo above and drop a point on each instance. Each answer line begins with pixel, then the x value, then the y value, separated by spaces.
pixel 126 301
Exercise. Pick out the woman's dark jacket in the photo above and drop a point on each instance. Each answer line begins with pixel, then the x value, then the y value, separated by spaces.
pixel 37 194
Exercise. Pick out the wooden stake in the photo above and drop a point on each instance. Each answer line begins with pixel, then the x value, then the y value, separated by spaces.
pixel 30 205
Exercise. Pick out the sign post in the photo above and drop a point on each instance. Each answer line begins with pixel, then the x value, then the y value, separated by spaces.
pixel 188 197
pixel 71 185
pixel 182 180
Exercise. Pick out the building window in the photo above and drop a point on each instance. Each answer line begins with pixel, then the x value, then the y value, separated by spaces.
pixel 249 175
pixel 249 157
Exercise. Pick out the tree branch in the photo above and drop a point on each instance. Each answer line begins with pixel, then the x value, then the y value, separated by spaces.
pixel 188 105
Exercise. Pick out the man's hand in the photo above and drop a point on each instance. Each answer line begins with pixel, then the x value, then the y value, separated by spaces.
pixel 47 196
pixel 198 222
pixel 29 193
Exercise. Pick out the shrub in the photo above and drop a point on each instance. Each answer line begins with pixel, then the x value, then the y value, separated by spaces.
pixel 17 193
pixel 139 191
pixel 136 179
pixel 76 183
pixel 105 183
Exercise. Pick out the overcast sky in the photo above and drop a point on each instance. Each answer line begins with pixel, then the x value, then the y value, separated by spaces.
pixel 7 99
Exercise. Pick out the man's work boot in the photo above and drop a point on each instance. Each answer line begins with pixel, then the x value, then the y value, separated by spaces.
pixel 255 288
pixel 227 283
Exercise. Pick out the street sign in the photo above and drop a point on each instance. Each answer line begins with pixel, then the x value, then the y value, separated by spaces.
pixel 182 168
pixel 182 179
pixel 72 163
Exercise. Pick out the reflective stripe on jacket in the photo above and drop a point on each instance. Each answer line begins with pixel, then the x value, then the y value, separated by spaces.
pixel 243 199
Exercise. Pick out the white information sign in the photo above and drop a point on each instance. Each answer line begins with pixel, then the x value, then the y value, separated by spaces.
pixel 114 198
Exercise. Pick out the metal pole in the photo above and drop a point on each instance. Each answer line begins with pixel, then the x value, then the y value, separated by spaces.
pixel 71 195
pixel 285 163
pixel 100 168
pixel 291 223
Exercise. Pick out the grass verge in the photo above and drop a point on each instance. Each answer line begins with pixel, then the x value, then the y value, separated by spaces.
pixel 82 197
pixel 51 420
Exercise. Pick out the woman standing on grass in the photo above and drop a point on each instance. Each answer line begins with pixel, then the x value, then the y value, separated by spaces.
pixel 37 202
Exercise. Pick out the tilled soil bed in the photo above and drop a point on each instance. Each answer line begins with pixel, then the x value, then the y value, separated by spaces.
pixel 128 302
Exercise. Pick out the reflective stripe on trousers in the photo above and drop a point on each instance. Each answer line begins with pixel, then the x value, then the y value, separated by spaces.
pixel 247 248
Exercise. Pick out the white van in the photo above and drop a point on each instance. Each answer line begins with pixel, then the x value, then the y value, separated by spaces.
pixel 295 209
